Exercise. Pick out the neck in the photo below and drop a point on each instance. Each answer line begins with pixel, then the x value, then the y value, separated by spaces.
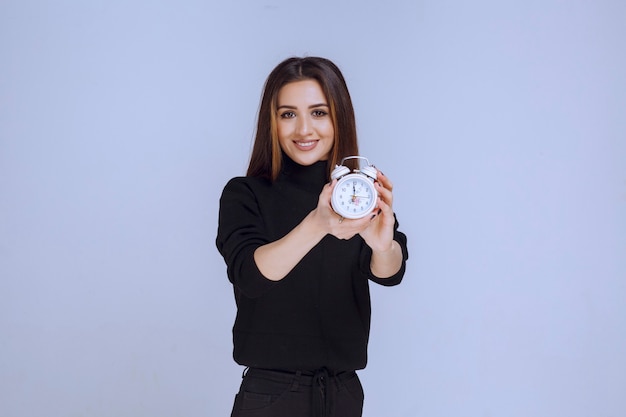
pixel 311 177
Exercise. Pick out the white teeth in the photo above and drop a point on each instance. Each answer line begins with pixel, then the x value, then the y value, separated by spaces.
pixel 305 144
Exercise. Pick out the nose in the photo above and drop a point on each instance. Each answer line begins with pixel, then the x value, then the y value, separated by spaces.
pixel 304 127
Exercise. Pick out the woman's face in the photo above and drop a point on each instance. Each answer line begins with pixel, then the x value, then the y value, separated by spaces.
pixel 305 129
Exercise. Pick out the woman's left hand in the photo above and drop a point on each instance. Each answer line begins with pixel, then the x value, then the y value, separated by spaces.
pixel 379 234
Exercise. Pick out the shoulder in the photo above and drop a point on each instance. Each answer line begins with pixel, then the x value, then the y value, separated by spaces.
pixel 245 186
pixel 250 182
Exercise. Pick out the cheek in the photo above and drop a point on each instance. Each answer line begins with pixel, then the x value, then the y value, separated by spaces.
pixel 282 130
pixel 327 130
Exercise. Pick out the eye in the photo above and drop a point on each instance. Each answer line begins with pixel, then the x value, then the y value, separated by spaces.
pixel 319 113
pixel 288 115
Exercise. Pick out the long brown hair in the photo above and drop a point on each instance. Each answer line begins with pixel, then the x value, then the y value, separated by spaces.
pixel 266 158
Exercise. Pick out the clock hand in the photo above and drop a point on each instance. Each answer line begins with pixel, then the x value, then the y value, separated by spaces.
pixel 353 193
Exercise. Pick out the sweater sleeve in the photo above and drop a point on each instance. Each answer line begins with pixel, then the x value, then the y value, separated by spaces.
pixel 366 258
pixel 240 232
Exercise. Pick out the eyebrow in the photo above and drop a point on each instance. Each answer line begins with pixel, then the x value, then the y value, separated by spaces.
pixel 286 106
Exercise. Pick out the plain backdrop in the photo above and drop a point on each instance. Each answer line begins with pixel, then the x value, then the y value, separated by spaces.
pixel 501 123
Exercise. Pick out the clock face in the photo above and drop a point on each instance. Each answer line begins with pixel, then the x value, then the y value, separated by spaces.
pixel 354 196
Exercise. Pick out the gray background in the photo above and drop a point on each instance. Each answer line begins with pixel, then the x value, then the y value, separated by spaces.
pixel 502 124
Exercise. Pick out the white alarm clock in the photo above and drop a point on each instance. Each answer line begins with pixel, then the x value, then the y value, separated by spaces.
pixel 355 195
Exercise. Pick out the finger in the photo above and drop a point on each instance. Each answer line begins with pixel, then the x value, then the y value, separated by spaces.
pixel 385 194
pixel 330 186
pixel 384 207
pixel 327 191
pixel 384 180
pixel 357 224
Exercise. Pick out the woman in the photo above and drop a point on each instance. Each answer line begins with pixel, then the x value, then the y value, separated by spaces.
pixel 300 271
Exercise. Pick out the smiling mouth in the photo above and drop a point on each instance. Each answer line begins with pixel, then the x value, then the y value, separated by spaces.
pixel 306 144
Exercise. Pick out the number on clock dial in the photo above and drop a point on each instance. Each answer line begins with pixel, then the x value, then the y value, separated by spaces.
pixel 356 195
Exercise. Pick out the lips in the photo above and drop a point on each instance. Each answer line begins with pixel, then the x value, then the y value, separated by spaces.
pixel 305 145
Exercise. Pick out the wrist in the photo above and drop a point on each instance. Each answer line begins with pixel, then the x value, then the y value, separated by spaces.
pixel 386 263
pixel 388 251
pixel 313 224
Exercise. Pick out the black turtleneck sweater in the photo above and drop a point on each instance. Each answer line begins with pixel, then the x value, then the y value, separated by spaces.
pixel 318 316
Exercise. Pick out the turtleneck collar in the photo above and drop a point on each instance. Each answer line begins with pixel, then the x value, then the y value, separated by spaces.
pixel 312 176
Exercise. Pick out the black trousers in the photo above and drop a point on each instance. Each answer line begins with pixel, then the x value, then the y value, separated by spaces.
pixel 267 393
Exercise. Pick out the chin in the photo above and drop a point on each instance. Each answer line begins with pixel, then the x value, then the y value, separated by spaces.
pixel 307 160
